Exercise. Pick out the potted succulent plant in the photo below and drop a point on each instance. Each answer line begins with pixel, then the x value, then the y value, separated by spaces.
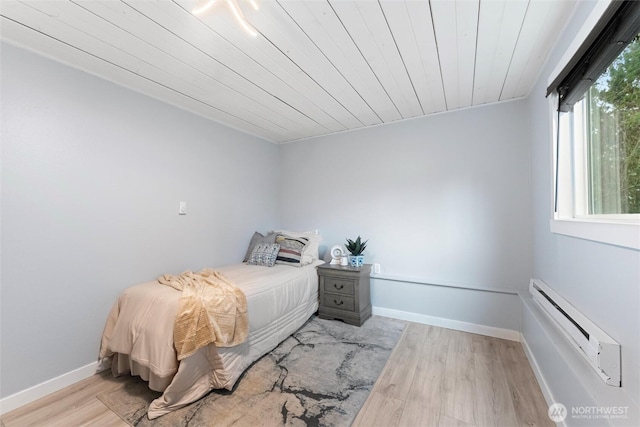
pixel 356 248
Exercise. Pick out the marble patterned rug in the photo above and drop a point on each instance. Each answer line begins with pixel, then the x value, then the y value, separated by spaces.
pixel 320 376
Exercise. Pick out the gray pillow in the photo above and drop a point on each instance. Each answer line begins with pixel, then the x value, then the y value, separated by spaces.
pixel 256 239
pixel 264 254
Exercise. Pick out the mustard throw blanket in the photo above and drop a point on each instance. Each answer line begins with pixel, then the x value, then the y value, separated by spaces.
pixel 211 310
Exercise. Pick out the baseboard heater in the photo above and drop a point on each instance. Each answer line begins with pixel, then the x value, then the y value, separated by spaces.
pixel 599 349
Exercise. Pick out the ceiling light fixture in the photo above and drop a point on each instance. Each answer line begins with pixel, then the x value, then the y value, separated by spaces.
pixel 235 9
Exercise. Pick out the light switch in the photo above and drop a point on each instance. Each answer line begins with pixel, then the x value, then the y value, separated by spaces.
pixel 182 209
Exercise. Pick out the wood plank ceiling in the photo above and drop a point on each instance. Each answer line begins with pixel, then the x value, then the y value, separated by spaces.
pixel 315 67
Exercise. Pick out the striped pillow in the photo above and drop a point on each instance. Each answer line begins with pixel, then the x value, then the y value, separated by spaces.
pixel 291 249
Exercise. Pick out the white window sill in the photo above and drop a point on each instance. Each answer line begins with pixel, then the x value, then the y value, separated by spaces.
pixel 624 234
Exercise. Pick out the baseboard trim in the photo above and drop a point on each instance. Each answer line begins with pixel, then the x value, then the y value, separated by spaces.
pixel 41 390
pixel 546 391
pixel 457 325
pixel 544 387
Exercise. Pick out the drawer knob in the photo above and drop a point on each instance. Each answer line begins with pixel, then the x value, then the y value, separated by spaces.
pixel 338 303
pixel 338 287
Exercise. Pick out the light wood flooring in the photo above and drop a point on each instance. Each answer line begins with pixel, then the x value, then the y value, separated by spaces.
pixel 434 377
pixel 441 377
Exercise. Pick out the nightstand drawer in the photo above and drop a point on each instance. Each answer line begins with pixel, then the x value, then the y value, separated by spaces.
pixel 340 302
pixel 342 286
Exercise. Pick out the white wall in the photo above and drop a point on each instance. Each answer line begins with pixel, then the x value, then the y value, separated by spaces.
pixel 601 281
pixel 443 199
pixel 92 175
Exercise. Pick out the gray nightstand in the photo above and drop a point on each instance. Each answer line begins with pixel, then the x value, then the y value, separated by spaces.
pixel 345 293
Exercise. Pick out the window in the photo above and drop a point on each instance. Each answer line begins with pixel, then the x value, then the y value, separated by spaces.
pixel 611 113
pixel 597 132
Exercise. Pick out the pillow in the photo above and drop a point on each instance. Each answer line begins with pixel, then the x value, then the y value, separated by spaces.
pixel 311 250
pixel 291 249
pixel 256 239
pixel 264 254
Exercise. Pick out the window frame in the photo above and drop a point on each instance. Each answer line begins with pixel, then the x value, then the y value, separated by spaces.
pixel 569 201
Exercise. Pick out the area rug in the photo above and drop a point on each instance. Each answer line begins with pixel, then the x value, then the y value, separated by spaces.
pixel 320 376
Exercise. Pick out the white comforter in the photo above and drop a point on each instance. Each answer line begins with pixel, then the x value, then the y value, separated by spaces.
pixel 138 336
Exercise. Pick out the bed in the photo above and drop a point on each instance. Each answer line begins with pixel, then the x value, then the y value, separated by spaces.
pixel 138 335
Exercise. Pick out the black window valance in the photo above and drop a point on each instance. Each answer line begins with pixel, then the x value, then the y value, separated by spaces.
pixel 617 27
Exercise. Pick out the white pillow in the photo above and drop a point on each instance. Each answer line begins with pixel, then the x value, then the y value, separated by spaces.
pixel 310 252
